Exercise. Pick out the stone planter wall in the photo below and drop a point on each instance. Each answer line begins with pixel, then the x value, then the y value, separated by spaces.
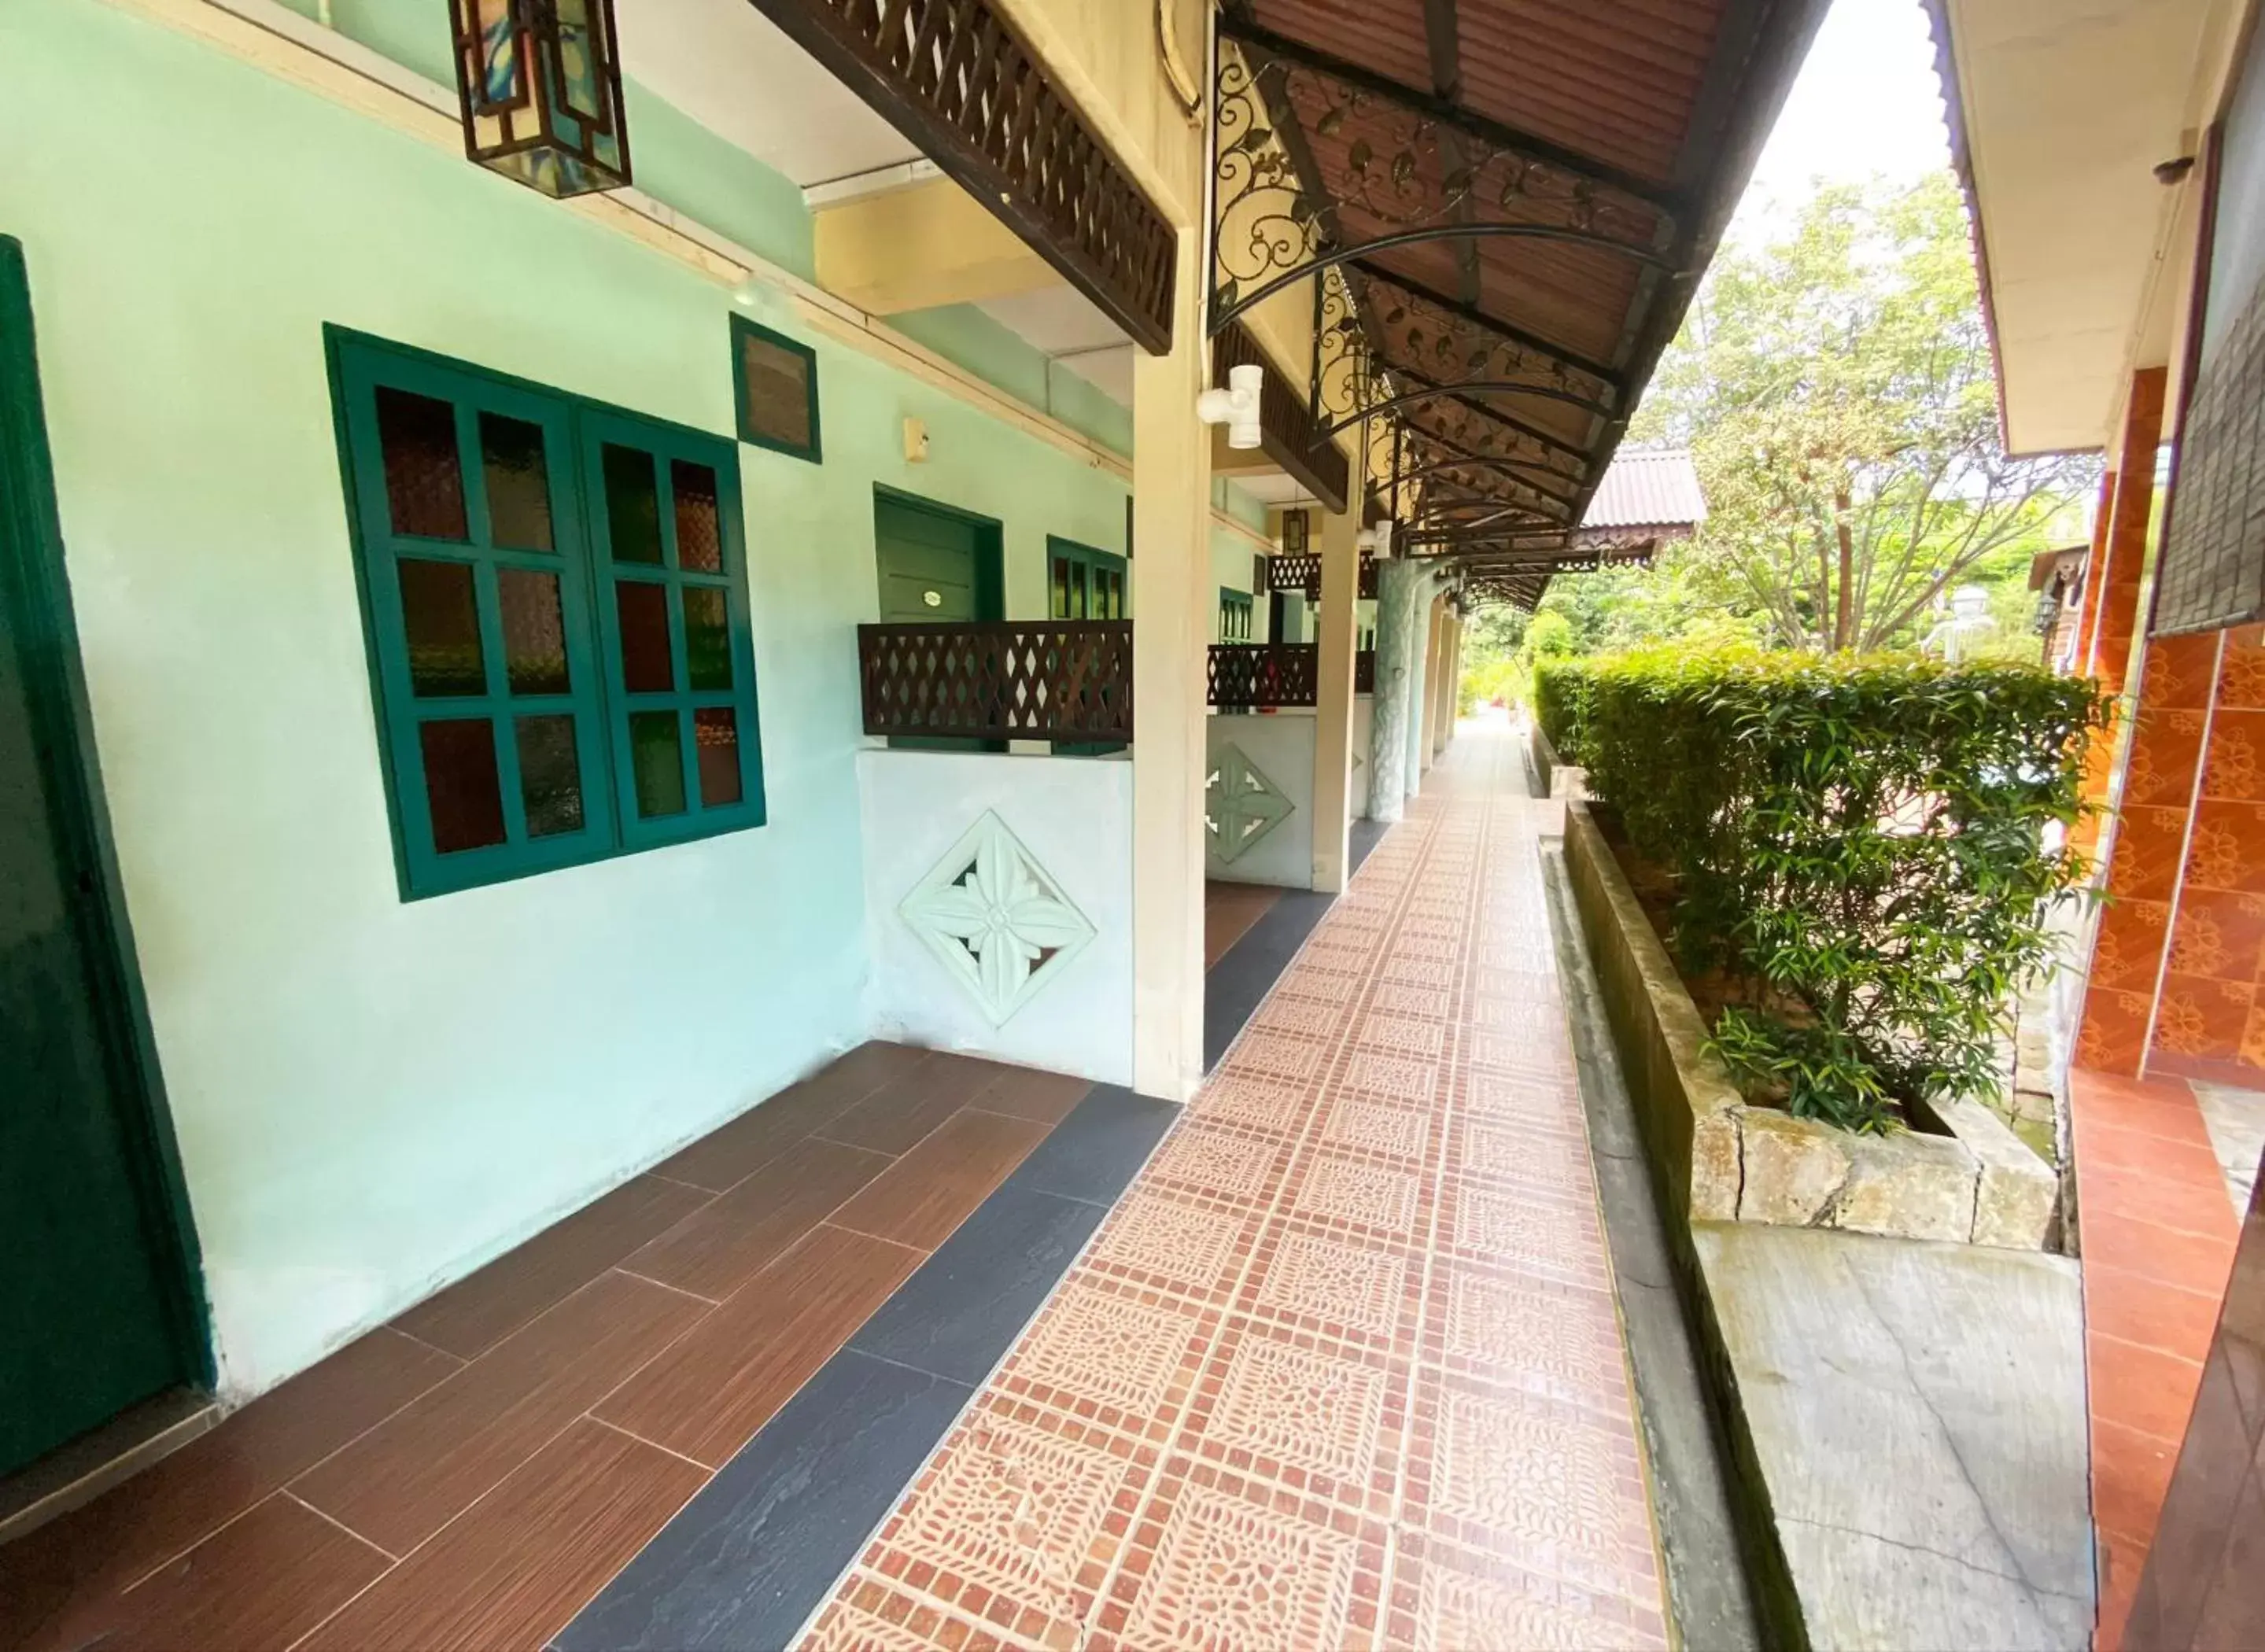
pixel 1544 755
pixel 1721 1160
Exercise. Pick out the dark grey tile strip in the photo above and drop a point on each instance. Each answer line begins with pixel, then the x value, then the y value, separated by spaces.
pixel 959 1313
pixel 1366 834
pixel 746 1562
pixel 1239 982
pixel 1093 1154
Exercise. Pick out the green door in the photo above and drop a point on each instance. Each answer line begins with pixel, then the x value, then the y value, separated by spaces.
pixel 935 567
pixel 91 1302
pixel 933 564
pixel 1084 584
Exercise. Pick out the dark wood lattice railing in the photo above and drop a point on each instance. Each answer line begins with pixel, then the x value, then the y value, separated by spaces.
pixel 1254 676
pixel 1249 676
pixel 1069 681
pixel 1302 572
pixel 955 77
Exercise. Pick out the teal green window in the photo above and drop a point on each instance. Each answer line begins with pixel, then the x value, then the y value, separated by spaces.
pixel 556 602
pixel 1233 615
pixel 1082 583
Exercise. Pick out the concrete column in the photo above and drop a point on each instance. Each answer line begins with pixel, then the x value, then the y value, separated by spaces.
pixel 1435 675
pixel 1399 587
pixel 1443 697
pixel 1423 632
pixel 1333 694
pixel 1174 596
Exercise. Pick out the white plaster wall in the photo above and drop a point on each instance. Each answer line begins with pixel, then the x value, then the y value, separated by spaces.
pixel 1364 719
pixel 1075 815
pixel 1281 745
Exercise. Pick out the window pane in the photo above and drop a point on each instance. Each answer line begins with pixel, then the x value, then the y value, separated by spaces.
pixel 518 483
pixel 716 736
pixel 443 620
pixel 707 638
pixel 550 775
pixel 699 537
pixel 632 504
pixel 646 664
pixel 657 763
pixel 460 787
pixel 533 633
pixel 424 477
pixel 1061 587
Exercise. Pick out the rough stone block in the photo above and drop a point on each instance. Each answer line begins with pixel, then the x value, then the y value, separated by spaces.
pixel 1793 1167
pixel 2017 1193
pixel 1907 1186
pixel 1714 1166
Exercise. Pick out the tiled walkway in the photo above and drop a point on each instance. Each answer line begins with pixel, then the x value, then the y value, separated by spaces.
pixel 2159 1232
pixel 1344 1368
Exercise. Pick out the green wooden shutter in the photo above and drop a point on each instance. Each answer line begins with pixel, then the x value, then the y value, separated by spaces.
pixel 475 585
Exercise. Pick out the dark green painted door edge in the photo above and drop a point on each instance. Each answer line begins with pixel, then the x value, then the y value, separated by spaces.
pixel 32 525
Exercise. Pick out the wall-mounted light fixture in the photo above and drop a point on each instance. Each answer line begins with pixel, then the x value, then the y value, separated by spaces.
pixel 539 90
pixel 1236 407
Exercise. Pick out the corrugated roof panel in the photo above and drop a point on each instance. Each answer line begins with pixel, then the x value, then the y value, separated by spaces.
pixel 1648 487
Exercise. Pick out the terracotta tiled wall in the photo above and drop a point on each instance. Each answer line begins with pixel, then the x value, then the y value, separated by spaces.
pixel 2198 757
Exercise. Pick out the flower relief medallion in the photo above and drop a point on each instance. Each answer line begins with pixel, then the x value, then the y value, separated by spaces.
pixel 996 920
pixel 1241 805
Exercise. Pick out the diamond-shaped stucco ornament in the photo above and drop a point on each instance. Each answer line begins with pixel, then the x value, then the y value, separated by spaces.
pixel 995 919
pixel 1241 806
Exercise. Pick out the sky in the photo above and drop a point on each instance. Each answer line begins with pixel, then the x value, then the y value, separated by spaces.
pixel 1866 104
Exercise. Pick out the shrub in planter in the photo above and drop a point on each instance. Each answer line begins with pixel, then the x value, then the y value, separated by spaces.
pixel 1862 843
pixel 1561 691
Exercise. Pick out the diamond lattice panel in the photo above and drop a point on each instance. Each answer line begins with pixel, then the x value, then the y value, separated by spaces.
pixel 996 920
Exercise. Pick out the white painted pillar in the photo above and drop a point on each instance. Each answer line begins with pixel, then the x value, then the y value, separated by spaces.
pixel 1340 629
pixel 1435 666
pixel 1172 551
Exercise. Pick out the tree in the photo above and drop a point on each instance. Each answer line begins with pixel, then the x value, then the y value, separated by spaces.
pixel 1836 389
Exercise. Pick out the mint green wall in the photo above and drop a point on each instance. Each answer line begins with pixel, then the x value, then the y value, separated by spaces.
pixel 372 1097
pixel 967 338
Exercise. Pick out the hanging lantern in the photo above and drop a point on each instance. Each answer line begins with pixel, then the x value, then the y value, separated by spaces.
pixel 539 82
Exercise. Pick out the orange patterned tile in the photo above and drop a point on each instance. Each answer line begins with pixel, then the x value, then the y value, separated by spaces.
pixel 2200 1017
pixel 2180 672
pixel 2128 952
pixel 2241 673
pixel 2165 754
pixel 2235 766
pixel 2228 849
pixel 2218 934
pixel 2150 842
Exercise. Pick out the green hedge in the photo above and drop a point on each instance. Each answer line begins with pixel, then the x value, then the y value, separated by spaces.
pixel 1861 842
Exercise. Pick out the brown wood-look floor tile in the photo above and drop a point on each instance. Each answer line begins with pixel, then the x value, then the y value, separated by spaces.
pixel 49 1577
pixel 513 1571
pixel 479 1311
pixel 716 1249
pixel 930 1192
pixel 259 1582
pixel 872 1065
pixel 1043 1098
pixel 729 1155
pixel 402 1481
pixel 708 1394
pixel 895 1117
